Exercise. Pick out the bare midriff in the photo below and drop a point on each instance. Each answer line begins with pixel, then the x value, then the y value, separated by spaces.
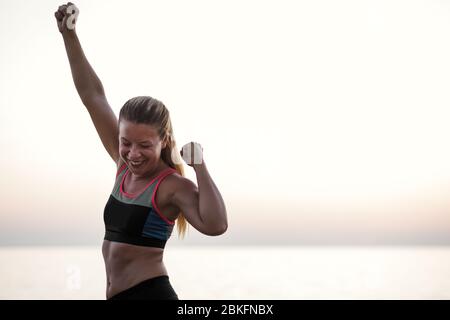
pixel 127 265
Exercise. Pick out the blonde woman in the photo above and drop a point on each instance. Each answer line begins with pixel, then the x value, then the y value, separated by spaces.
pixel 150 193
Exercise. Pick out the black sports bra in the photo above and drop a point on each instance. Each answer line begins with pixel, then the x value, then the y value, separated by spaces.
pixel 135 218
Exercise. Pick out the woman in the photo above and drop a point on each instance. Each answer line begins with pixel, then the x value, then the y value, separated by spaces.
pixel 150 192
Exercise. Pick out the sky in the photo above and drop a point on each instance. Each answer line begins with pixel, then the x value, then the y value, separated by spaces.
pixel 322 122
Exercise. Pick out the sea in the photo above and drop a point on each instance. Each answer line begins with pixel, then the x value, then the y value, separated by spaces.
pixel 239 272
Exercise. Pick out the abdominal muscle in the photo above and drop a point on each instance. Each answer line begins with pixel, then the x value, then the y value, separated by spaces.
pixel 127 265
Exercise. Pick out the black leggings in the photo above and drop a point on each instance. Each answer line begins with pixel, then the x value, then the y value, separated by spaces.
pixel 158 288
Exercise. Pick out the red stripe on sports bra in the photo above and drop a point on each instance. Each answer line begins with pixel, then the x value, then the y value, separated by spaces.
pixel 122 167
pixel 132 196
pixel 163 175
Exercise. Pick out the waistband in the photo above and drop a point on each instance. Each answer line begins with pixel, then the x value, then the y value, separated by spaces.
pixel 133 289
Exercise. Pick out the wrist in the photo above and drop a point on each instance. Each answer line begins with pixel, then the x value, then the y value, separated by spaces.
pixel 199 167
pixel 69 34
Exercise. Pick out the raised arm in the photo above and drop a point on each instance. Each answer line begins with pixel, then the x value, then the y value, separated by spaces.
pixel 202 206
pixel 89 86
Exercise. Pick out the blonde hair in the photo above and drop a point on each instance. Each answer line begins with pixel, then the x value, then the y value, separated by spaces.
pixel 147 110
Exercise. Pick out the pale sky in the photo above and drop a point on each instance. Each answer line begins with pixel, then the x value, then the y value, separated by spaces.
pixel 322 122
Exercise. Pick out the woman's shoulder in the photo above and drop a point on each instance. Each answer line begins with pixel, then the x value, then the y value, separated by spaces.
pixel 175 182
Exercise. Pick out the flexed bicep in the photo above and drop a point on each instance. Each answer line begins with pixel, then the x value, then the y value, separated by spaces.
pixel 186 198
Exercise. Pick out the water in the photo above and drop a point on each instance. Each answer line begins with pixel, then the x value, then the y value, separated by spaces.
pixel 240 272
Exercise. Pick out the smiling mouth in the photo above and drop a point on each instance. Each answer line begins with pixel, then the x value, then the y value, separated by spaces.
pixel 136 163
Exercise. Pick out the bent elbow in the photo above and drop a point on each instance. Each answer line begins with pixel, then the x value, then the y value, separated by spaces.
pixel 217 232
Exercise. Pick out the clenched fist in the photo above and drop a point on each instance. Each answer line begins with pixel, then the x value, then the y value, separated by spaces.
pixel 192 153
pixel 66 17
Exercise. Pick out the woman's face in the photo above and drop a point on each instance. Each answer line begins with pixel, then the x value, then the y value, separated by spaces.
pixel 139 146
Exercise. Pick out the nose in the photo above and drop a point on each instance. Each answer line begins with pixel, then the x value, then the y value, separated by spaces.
pixel 134 154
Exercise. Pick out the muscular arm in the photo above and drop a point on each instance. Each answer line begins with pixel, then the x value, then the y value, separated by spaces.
pixel 89 87
pixel 203 207
pixel 86 80
pixel 210 203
